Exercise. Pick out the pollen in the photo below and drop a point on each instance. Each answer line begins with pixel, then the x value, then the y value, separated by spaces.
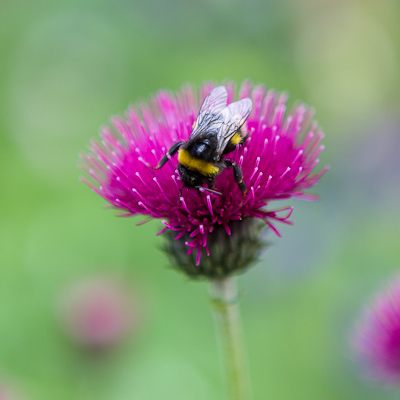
pixel 194 164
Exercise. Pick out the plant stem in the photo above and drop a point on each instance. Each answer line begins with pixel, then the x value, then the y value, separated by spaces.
pixel 224 303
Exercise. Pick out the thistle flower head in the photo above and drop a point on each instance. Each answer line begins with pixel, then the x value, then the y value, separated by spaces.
pixel 277 161
pixel 98 313
pixel 377 336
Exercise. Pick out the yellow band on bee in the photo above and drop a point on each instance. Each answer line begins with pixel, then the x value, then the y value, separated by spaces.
pixel 194 164
pixel 236 139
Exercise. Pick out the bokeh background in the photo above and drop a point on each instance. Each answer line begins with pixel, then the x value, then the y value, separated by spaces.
pixel 65 68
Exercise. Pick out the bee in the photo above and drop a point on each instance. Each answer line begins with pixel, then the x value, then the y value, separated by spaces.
pixel 217 131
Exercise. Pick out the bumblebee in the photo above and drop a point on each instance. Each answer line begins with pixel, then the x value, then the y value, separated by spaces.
pixel 217 131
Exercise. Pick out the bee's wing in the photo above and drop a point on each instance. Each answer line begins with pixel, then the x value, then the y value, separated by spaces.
pixel 233 117
pixel 214 102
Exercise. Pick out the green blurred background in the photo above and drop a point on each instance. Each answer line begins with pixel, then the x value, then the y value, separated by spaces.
pixel 66 67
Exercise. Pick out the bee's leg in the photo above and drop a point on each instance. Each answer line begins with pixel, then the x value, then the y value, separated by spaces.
pixel 172 150
pixel 238 175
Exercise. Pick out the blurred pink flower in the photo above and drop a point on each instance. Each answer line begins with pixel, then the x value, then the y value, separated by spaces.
pixel 277 161
pixel 98 312
pixel 377 336
pixel 7 392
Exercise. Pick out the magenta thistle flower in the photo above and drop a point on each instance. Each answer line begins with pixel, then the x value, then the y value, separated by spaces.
pixel 377 336
pixel 277 161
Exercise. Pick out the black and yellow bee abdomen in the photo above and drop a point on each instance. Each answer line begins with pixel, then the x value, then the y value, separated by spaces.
pixel 203 167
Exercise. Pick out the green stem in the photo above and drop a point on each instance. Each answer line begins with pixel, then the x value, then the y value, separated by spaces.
pixel 224 302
